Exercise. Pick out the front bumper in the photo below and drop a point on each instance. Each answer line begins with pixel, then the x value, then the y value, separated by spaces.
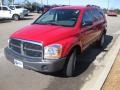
pixel 22 15
pixel 26 13
pixel 35 63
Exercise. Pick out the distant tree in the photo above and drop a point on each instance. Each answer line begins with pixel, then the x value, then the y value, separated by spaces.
pixel 117 10
pixel 27 4
pixel 11 1
pixel 105 10
pixel 2 2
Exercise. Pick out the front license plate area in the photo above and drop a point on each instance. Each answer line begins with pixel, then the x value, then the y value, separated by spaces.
pixel 18 63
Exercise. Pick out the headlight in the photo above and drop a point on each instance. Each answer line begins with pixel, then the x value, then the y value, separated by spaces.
pixel 21 12
pixel 8 41
pixel 53 51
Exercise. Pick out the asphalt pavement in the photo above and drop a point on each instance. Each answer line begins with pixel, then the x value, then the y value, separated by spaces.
pixel 90 63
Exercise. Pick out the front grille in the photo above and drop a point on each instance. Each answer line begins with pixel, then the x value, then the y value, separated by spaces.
pixel 26 48
pixel 25 11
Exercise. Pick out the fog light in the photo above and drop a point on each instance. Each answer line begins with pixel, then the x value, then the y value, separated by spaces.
pixel 44 67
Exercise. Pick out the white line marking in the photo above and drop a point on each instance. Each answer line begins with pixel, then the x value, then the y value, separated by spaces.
pixel 1 52
pixel 111 56
pixel 97 78
pixel 118 32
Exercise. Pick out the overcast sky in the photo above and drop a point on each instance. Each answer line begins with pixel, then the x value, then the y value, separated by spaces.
pixel 102 3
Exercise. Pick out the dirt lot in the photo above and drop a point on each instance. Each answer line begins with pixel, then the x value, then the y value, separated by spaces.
pixel 113 80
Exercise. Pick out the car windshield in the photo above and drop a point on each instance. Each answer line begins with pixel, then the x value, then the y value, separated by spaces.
pixel 61 17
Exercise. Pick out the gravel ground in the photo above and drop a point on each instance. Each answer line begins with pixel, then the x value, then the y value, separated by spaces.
pixel 113 80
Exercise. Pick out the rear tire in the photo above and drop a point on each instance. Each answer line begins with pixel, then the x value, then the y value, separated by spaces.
pixel 16 17
pixel 70 66
pixel 101 42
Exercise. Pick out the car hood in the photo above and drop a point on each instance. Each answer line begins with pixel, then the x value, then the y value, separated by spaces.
pixel 43 33
pixel 21 9
pixel 17 10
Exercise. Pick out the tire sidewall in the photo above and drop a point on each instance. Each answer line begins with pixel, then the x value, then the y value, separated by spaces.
pixel 102 40
pixel 16 17
pixel 70 69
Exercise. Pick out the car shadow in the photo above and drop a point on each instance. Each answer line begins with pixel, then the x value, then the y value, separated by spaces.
pixel 29 15
pixel 86 58
pixel 5 20
pixel 26 18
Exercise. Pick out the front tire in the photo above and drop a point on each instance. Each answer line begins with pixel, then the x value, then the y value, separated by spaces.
pixel 70 67
pixel 16 17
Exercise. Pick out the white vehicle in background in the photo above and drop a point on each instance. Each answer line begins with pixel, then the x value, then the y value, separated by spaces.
pixel 7 13
pixel 19 8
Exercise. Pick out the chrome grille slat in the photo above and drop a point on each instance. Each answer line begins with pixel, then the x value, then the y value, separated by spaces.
pixel 26 48
pixel 32 50
pixel 33 46
pixel 22 52
pixel 14 45
pixel 15 42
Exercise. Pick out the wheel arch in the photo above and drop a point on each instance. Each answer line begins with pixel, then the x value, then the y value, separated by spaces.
pixel 14 15
pixel 104 31
pixel 78 51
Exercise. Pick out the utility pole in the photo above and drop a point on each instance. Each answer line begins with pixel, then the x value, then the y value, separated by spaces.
pixel 36 4
pixel 1 2
pixel 47 2
pixel 108 4
pixel 69 2
pixel 12 2
pixel 42 2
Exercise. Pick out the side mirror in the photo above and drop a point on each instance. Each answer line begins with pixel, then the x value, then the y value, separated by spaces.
pixel 87 23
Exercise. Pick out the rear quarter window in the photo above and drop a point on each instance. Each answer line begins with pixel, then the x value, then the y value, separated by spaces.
pixel 97 14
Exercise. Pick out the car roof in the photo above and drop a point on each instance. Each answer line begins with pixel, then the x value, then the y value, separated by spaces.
pixel 79 7
pixel 72 7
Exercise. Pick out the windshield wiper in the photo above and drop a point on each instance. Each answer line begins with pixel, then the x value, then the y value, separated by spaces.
pixel 40 23
pixel 53 23
pixel 48 23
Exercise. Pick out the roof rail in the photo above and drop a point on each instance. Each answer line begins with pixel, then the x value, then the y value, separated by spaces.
pixel 93 6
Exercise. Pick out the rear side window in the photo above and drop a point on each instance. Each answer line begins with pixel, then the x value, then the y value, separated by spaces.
pixel 101 13
pixel 18 6
pixel 5 8
pixel 87 17
pixel 97 15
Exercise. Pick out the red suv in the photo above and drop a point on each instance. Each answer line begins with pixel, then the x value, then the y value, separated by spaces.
pixel 112 13
pixel 55 39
